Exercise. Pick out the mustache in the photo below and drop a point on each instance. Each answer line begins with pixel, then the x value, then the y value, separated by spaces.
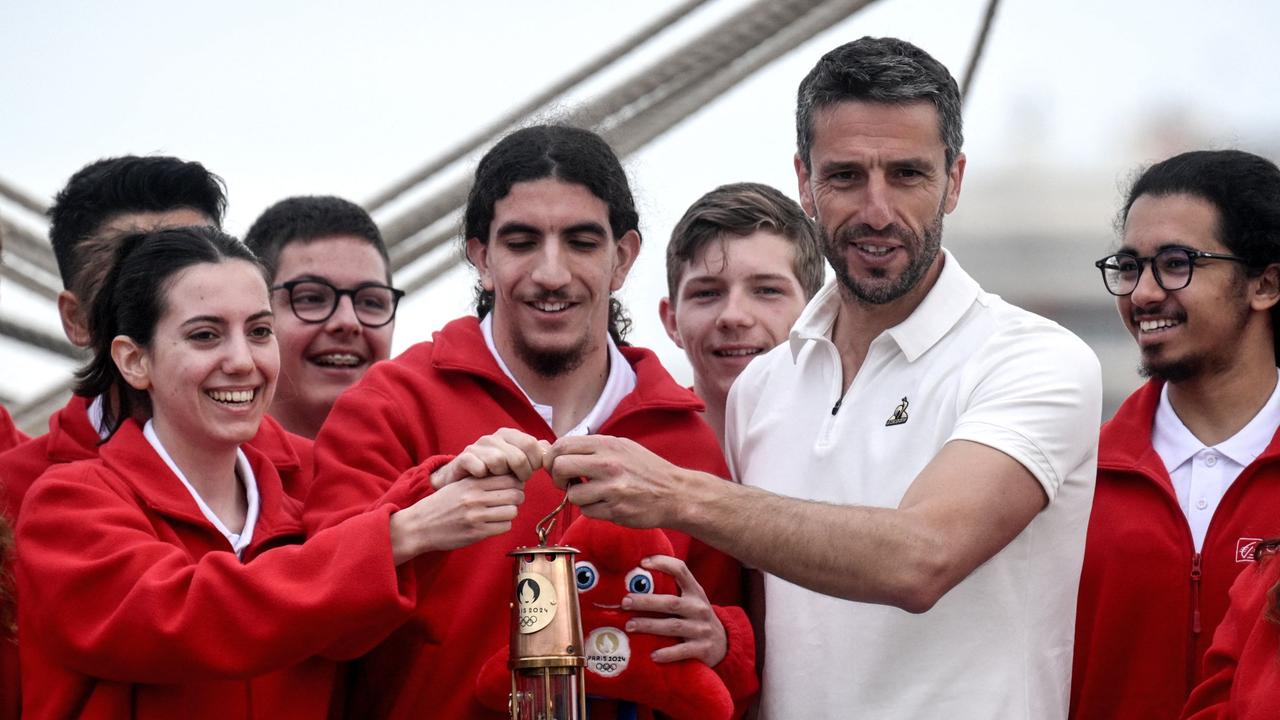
pixel 550 296
pixel 1138 313
pixel 858 232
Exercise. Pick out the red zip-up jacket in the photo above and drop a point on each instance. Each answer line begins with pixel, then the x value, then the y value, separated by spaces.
pixel 71 437
pixel 433 401
pixel 135 606
pixel 1148 602
pixel 1242 668
pixel 10 435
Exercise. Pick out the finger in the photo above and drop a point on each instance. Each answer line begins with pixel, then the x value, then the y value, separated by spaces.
pixel 498 482
pixel 676 653
pixel 495 514
pixel 495 528
pixel 469 465
pixel 504 498
pixel 496 458
pixel 574 445
pixel 573 467
pixel 516 460
pixel 531 448
pixel 676 568
pixel 675 627
pixel 660 603
pixel 584 494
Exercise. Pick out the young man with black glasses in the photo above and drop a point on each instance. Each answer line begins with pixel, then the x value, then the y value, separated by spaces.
pixel 320 250
pixel 1189 467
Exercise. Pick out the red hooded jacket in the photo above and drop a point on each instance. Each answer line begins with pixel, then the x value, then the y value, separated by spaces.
pixel 434 400
pixel 1148 602
pixel 1242 668
pixel 134 604
pixel 10 435
pixel 71 437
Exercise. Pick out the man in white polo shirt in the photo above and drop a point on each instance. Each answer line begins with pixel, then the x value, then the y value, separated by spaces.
pixel 1189 467
pixel 917 461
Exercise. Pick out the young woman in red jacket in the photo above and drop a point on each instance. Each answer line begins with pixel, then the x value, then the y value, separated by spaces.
pixel 167 578
pixel 1242 667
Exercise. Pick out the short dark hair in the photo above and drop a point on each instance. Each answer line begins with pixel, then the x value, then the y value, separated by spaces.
pixel 566 153
pixel 741 209
pixel 307 218
pixel 881 70
pixel 103 189
pixel 131 302
pixel 1245 190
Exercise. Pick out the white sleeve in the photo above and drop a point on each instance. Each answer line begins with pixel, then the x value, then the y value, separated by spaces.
pixel 1034 392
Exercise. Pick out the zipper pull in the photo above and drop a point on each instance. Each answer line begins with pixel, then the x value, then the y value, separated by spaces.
pixel 1195 589
pixel 836 408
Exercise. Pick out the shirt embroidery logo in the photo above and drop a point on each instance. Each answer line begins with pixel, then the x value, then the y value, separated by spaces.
pixel 899 415
pixel 1244 549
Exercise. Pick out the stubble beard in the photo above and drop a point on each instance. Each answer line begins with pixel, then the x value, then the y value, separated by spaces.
pixel 876 291
pixel 551 362
pixel 1212 361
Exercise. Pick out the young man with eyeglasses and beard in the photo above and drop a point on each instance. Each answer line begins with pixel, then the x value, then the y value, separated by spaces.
pixel 1189 466
pixel 552 230
pixel 333 301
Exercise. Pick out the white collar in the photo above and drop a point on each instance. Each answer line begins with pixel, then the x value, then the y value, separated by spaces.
pixel 95 413
pixel 946 302
pixel 1176 444
pixel 619 384
pixel 239 541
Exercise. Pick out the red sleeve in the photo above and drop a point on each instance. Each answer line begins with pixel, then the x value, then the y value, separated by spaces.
pixel 365 445
pixel 10 435
pixel 107 595
pixel 738 668
pixel 1212 697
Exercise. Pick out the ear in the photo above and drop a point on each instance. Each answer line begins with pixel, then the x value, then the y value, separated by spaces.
pixel 478 254
pixel 955 177
pixel 806 191
pixel 132 361
pixel 1267 291
pixel 667 312
pixel 627 249
pixel 74 324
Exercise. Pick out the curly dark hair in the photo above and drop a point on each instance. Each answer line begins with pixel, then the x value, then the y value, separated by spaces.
pixel 556 151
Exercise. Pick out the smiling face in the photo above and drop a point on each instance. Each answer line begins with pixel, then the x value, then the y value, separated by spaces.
pixel 1184 333
pixel 878 186
pixel 320 360
pixel 551 262
pixel 212 364
pixel 737 298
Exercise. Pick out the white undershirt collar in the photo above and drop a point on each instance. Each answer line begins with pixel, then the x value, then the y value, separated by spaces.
pixel 619 384
pixel 239 541
pixel 1202 475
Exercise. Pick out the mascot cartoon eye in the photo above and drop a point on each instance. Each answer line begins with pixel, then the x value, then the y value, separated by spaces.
pixel 639 581
pixel 585 574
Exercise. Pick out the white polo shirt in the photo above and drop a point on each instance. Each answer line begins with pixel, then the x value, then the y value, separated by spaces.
pixel 964 366
pixel 1201 475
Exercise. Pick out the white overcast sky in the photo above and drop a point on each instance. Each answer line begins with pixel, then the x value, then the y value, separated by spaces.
pixel 285 98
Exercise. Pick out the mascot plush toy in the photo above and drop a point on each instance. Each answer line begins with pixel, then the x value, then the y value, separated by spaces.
pixel 618 663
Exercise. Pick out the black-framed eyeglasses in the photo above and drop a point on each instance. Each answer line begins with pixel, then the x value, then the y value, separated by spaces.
pixel 1171 267
pixel 315 301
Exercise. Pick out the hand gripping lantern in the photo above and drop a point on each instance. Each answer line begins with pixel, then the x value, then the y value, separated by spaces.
pixel 547 657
